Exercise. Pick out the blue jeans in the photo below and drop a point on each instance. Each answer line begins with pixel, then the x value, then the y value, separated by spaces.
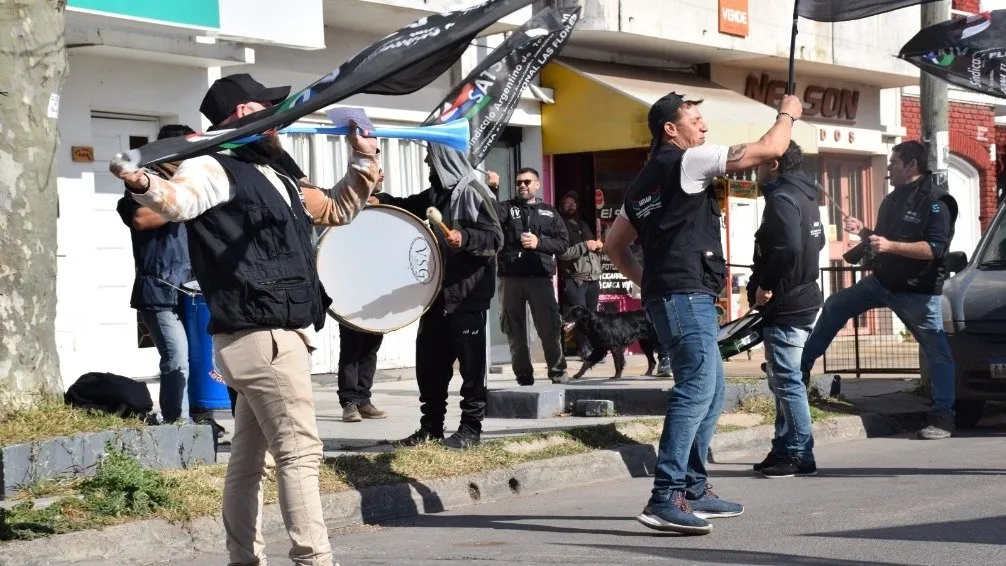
pixel 687 326
pixel 922 316
pixel 168 333
pixel 793 428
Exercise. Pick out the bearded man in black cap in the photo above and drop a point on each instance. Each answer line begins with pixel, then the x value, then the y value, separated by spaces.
pixel 672 209
pixel 249 229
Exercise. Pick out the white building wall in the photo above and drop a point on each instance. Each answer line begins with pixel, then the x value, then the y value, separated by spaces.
pixel 100 84
pixel 171 93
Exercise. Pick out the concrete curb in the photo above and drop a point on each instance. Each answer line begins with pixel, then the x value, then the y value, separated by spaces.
pixel 384 503
pixel 549 400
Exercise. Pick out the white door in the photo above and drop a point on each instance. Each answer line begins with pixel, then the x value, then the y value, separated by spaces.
pixel 964 187
pixel 114 340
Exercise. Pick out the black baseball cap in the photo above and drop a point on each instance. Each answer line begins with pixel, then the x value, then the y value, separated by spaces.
pixel 663 111
pixel 227 93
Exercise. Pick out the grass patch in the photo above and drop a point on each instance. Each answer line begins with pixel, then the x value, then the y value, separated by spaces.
pixel 821 408
pixel 122 490
pixel 47 416
pixel 745 380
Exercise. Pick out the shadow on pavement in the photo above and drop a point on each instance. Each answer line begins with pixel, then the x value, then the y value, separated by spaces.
pixel 973 531
pixel 719 556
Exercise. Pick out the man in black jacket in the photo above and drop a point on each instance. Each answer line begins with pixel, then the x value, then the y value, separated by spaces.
pixel 533 234
pixel 910 242
pixel 784 286
pixel 249 230
pixel 454 327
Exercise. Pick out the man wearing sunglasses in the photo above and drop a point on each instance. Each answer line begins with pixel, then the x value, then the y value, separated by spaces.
pixel 533 235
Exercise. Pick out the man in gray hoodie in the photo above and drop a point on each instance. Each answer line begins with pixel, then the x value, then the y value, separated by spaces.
pixel 454 327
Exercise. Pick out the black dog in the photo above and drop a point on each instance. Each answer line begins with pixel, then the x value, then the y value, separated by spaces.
pixel 612 332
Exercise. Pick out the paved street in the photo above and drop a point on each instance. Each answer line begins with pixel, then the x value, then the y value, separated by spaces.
pixel 882 501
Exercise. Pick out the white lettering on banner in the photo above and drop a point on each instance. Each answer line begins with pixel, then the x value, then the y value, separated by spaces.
pixel 735 16
pixel 976 72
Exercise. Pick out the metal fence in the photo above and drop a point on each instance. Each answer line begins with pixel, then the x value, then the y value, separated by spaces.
pixel 869 343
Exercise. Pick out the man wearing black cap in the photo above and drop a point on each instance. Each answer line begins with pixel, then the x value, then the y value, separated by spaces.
pixel 672 209
pixel 249 233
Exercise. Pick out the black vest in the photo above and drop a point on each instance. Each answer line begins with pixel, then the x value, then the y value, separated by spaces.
pixel 253 257
pixel 679 232
pixel 797 297
pixel 904 216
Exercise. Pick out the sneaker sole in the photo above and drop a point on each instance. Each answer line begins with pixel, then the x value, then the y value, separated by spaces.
pixel 352 420
pixel 795 475
pixel 658 524
pixel 705 515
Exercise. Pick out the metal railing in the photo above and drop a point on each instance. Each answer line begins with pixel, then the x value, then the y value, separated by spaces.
pixel 869 343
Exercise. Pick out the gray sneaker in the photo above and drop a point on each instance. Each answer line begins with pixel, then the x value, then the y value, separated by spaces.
pixel 938 427
pixel 351 414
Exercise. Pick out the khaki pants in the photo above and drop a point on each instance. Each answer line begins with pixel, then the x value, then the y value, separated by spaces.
pixel 271 371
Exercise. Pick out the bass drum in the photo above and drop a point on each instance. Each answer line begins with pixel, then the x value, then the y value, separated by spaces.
pixel 383 270
pixel 740 335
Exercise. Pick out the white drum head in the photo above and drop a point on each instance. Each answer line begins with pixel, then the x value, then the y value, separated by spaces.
pixel 382 270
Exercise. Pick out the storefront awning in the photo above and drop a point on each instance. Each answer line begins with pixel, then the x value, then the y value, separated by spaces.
pixel 603 106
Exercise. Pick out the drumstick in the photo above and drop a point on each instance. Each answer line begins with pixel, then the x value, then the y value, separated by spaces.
pixel 434 216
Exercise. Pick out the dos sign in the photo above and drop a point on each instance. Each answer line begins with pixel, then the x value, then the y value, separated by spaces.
pixel 734 17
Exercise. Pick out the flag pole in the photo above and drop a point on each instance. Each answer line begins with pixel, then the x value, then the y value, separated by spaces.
pixel 791 85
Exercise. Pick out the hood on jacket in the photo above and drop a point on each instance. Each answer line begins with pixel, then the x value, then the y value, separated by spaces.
pixel 468 193
pixel 798 179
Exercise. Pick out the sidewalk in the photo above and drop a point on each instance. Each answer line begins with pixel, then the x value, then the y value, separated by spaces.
pixel 396 392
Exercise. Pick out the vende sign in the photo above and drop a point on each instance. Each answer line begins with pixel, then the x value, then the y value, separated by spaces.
pixel 734 17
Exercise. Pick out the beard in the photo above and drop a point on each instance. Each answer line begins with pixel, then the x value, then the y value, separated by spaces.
pixel 270 146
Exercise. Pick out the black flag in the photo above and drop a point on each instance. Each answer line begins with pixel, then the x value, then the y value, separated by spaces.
pixel 490 93
pixel 845 10
pixel 967 52
pixel 400 63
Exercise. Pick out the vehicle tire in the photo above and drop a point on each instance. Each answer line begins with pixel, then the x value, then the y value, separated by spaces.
pixel 969 412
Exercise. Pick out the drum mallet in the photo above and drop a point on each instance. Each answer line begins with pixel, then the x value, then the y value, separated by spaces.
pixel 434 216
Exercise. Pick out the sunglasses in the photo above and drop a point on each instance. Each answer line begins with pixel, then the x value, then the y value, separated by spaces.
pixel 524 182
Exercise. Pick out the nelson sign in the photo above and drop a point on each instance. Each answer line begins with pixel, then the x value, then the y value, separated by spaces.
pixel 829 103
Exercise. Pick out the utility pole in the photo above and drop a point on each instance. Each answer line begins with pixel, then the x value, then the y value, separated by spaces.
pixel 935 107
pixel 935 131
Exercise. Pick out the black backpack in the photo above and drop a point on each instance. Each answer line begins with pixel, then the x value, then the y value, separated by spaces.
pixel 111 393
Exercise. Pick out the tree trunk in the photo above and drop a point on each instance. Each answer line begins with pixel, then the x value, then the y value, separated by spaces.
pixel 33 66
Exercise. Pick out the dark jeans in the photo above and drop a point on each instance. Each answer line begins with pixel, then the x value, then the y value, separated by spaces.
pixel 517 293
pixel 357 364
pixel 584 294
pixel 687 325
pixel 442 340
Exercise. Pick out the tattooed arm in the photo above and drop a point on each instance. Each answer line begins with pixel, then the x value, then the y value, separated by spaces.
pixel 772 145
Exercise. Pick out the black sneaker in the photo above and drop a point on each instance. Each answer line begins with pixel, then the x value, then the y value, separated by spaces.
pixel 419 437
pixel 525 381
pixel 790 468
pixel 768 462
pixel 463 439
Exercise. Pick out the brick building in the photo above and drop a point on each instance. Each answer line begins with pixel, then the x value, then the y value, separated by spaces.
pixel 976 145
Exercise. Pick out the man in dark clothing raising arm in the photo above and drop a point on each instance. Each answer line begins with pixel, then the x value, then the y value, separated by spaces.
pixel 784 286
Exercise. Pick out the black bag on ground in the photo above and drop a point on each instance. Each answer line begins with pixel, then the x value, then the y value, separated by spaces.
pixel 111 393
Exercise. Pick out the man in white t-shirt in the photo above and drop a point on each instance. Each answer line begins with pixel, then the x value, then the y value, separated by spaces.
pixel 673 211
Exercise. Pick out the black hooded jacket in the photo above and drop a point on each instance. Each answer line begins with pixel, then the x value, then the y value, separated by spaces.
pixel 467 206
pixel 787 246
